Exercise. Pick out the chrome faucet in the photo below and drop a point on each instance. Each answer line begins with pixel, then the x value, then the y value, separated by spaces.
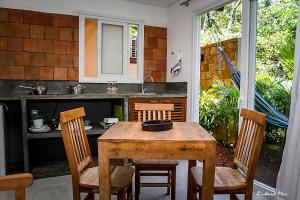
pixel 145 89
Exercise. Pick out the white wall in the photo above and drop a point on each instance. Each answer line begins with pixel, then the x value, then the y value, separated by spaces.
pixel 152 15
pixel 180 37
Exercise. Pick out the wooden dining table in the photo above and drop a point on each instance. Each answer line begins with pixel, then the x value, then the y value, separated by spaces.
pixel 186 141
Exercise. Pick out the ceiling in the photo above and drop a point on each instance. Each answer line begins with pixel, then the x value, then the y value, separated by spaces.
pixel 160 3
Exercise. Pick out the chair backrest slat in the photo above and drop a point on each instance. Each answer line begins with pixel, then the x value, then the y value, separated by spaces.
pixel 249 142
pixel 154 111
pixel 75 140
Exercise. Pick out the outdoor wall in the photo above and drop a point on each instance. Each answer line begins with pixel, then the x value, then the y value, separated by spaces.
pixel 209 63
pixel 44 46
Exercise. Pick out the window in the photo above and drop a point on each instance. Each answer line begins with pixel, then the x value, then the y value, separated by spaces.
pixel 110 50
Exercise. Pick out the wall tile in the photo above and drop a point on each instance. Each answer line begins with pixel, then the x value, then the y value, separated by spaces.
pixel 4 72
pixel 149 65
pixel 60 73
pixel 74 21
pixel 76 61
pixel 3 43
pixel 73 48
pixel 15 44
pixel 22 30
pixel 65 60
pixel 161 65
pixel 15 16
pixel 75 34
pixel 159 54
pixel 162 43
pixel 51 33
pixel 3 15
pixel 23 58
pixel 30 17
pixel 66 34
pixel 37 31
pixel 31 45
pixel 163 76
pixel 32 73
pixel 60 20
pixel 148 31
pixel 59 47
pixel 7 29
pixel 46 73
pixel 157 76
pixel 46 46
pixel 16 72
pixel 153 42
pixel 148 54
pixel 6 58
pixel 45 19
pixel 38 59
pixel 52 60
pixel 73 74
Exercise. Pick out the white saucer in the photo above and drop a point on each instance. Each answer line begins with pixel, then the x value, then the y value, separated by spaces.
pixel 43 129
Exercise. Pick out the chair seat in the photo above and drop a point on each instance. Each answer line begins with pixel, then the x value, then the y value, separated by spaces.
pixel 121 177
pixel 153 162
pixel 226 178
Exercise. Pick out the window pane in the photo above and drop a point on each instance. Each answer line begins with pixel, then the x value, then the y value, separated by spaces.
pixel 112 49
pixel 90 47
pixel 133 49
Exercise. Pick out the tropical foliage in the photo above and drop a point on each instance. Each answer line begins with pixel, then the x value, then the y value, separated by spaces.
pixel 219 110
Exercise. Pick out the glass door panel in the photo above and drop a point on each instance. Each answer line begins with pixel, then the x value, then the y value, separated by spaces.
pixel 276 22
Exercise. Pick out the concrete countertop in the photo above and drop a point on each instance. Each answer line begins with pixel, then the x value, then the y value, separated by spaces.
pixel 91 96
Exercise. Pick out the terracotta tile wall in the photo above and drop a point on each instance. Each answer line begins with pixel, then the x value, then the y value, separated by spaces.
pixel 209 66
pixel 155 53
pixel 38 46
pixel 43 46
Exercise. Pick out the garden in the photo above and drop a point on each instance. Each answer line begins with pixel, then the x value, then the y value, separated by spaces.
pixel 275 43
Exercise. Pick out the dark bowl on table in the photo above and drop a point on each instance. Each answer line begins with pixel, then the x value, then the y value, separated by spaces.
pixel 157 125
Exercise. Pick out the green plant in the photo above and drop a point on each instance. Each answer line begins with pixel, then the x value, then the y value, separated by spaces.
pixel 208 107
pixel 218 110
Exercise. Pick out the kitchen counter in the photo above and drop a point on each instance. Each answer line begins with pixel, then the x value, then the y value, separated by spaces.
pixel 103 101
pixel 90 96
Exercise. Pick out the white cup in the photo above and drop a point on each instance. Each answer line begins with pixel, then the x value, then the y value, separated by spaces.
pixel 38 123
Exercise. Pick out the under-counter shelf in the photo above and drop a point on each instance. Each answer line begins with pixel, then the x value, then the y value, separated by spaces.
pixel 96 130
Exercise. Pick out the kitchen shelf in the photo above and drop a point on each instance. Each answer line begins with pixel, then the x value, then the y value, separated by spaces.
pixel 96 130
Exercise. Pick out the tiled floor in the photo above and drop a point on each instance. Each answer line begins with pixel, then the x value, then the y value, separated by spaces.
pixel 59 188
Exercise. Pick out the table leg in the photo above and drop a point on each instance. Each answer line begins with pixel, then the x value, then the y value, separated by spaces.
pixel 104 172
pixel 192 163
pixel 208 178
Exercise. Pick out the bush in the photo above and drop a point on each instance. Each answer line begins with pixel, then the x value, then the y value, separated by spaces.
pixel 219 110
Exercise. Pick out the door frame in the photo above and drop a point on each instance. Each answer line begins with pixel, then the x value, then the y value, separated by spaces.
pixel 248 61
pixel 248 44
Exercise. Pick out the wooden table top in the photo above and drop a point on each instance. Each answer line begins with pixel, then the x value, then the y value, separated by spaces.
pixel 132 132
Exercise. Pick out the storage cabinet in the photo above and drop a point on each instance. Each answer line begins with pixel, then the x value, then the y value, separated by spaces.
pixel 179 113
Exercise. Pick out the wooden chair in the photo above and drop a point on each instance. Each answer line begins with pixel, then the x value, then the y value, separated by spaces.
pixel 85 177
pixel 155 167
pixel 17 182
pixel 239 178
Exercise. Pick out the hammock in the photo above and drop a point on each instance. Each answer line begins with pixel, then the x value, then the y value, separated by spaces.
pixel 274 117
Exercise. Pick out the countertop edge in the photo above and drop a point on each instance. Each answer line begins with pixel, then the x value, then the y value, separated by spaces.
pixel 89 96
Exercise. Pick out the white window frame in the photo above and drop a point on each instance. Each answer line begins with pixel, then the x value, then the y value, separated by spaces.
pixel 104 78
